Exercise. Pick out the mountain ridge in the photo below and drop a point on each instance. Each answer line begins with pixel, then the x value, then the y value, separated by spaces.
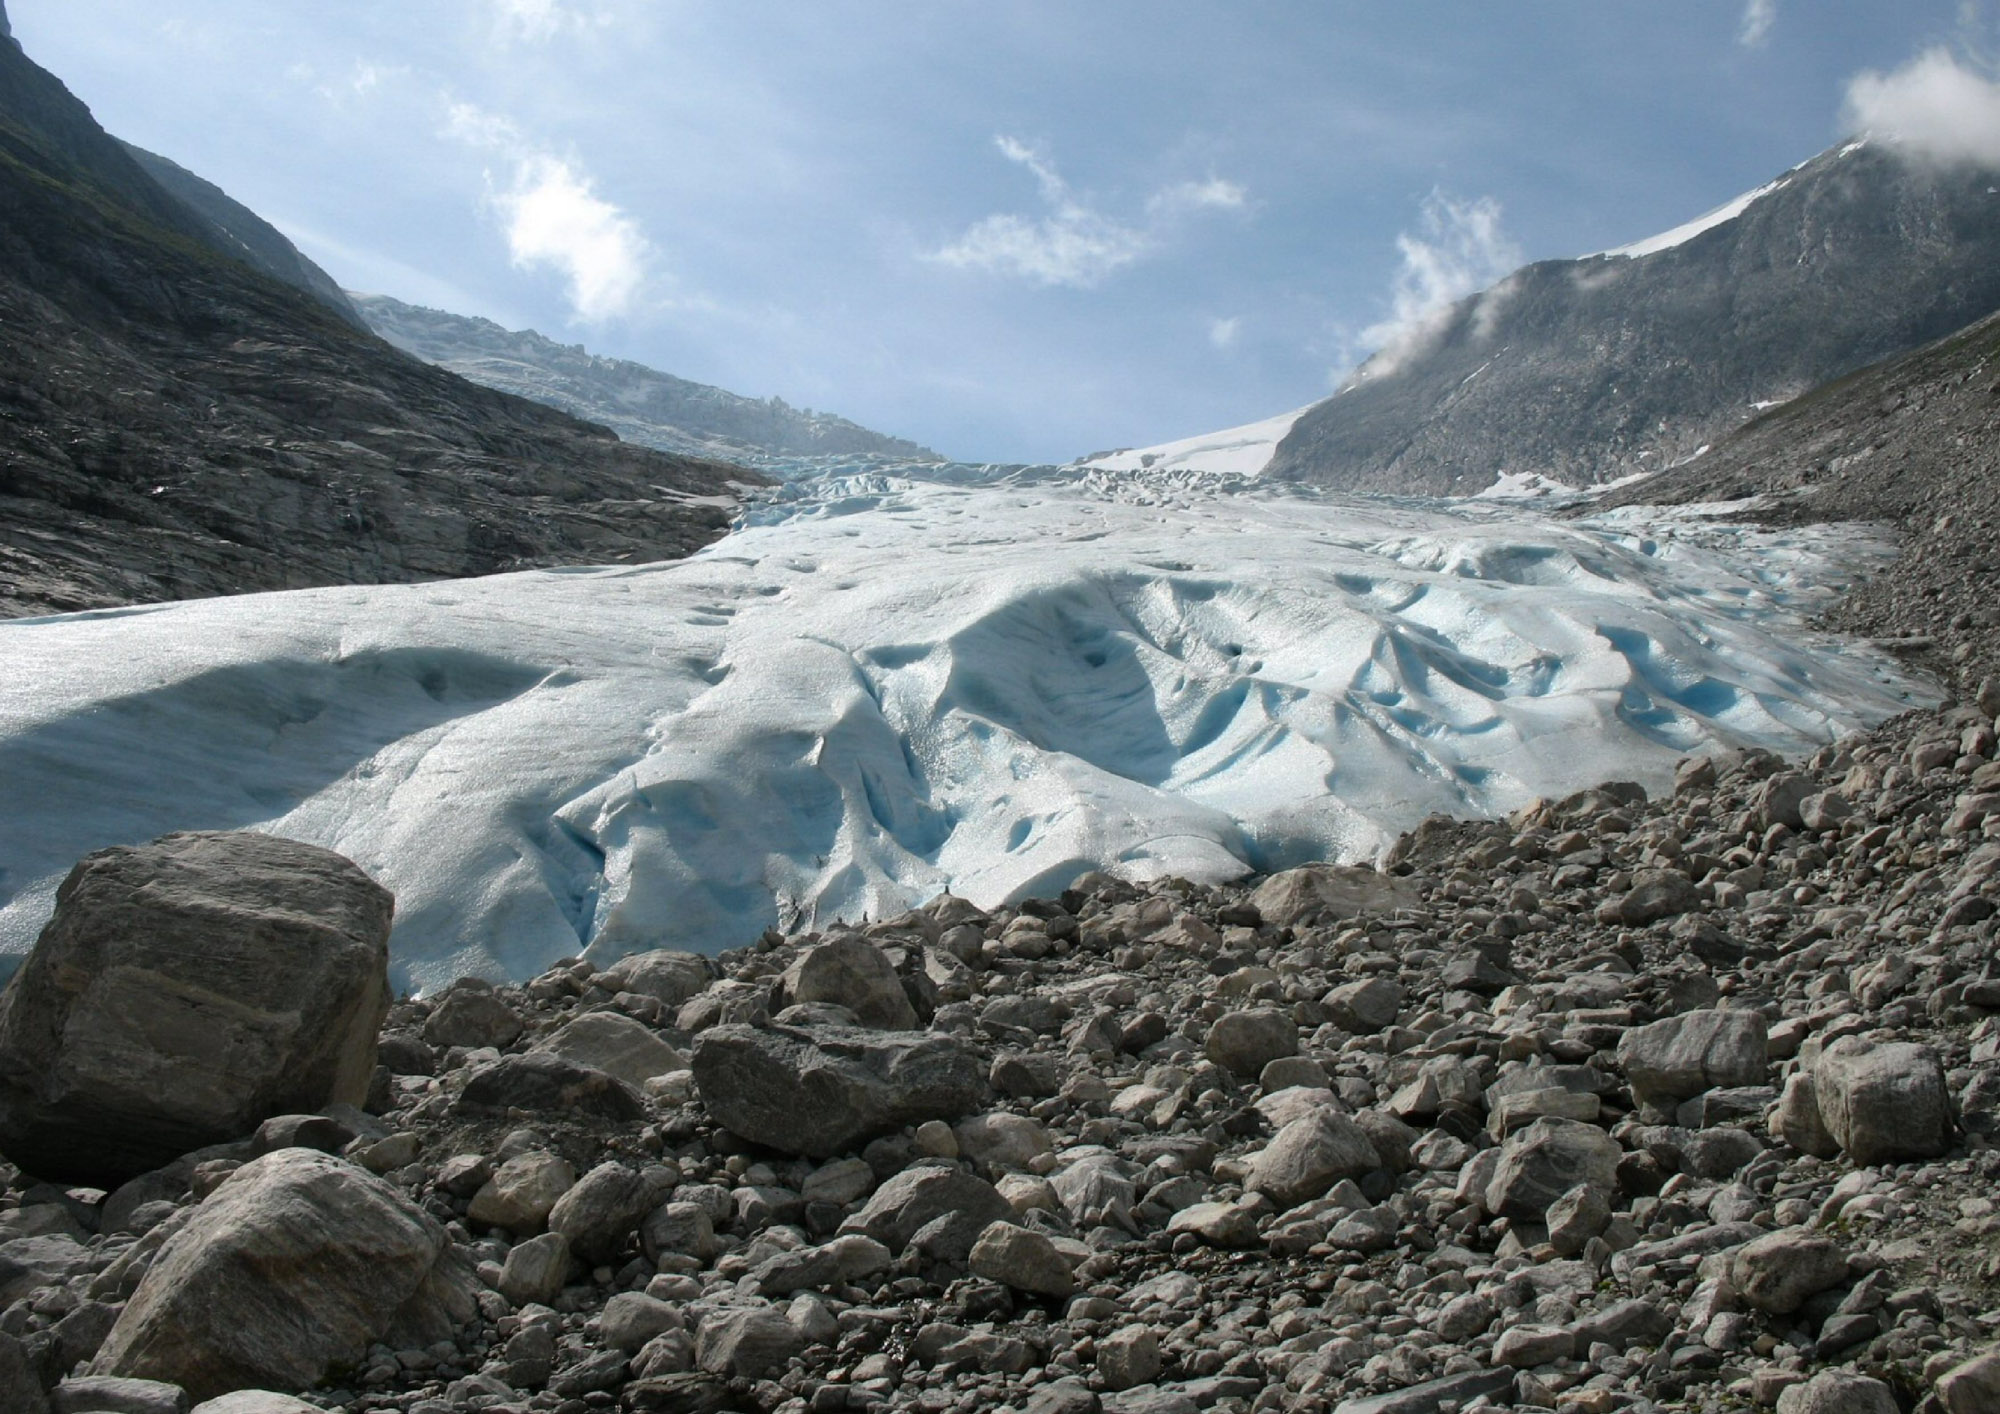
pixel 175 422
pixel 642 404
pixel 1592 369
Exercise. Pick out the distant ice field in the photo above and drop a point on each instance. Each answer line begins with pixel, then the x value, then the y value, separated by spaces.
pixel 882 687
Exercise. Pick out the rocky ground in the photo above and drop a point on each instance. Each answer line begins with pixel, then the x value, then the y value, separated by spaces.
pixel 1622 1104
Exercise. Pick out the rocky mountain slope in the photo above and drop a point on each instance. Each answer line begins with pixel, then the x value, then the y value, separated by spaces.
pixel 176 423
pixel 1913 442
pixel 245 234
pixel 641 404
pixel 1590 370
pixel 1621 1105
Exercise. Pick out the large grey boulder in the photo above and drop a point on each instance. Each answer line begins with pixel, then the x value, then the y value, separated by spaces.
pixel 606 1207
pixel 293 1267
pixel 1839 1392
pixel 1310 1155
pixel 621 1046
pixel 821 1090
pixel 256 1401
pixel 1545 1161
pixel 185 991
pixel 543 1080
pixel 1972 1388
pixel 1024 1260
pixel 1781 1271
pixel 1247 1041
pixel 20 1390
pixel 670 977
pixel 1883 1102
pixel 1330 892
pixel 848 970
pixel 1679 1057
pixel 919 1196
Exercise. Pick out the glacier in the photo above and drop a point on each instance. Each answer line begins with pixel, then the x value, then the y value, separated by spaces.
pixel 884 684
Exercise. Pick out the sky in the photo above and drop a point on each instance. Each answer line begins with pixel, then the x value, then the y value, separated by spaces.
pixel 1013 230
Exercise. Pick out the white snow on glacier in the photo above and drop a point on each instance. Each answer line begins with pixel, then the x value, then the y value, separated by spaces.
pixel 881 687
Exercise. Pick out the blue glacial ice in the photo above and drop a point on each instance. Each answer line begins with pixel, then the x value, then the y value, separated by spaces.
pixel 883 686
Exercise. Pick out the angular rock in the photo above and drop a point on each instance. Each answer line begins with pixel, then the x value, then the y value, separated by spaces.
pixel 1024 1260
pixel 1972 1388
pixel 469 1014
pixel 1655 894
pixel 1526 1346
pixel 1432 1396
pixel 185 991
pixel 1217 1224
pixel 852 972
pixel 1780 1271
pixel 605 1209
pixel 682 1229
pixel 1310 1155
pixel 1797 1120
pixel 1677 1058
pixel 103 1394
pixel 536 1270
pixel 747 1342
pixel 293 1267
pixel 920 1195
pixel 1129 1356
pixel 819 1091
pixel 631 1318
pixel 833 1264
pixel 1330 892
pixel 1883 1102
pixel 1363 1007
pixel 670 977
pixel 1545 1161
pixel 1246 1041
pixel 522 1192
pixel 1838 1392
pixel 256 1401
pixel 621 1046
pixel 20 1387
pixel 539 1080
pixel 1779 799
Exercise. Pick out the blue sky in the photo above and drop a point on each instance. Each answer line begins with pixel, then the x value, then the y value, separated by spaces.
pixel 1011 229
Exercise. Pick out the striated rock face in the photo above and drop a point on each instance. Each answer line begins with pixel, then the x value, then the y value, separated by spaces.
pixel 185 991
pixel 817 1090
pixel 182 415
pixel 295 1265
pixel 1590 370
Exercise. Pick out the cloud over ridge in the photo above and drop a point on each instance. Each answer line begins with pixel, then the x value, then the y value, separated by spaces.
pixel 1936 107
pixel 1457 249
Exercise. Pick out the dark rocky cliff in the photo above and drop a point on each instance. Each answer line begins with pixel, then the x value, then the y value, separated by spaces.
pixel 176 423
pixel 1590 370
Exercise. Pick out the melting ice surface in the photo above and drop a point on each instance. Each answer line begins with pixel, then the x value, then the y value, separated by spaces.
pixel 886 685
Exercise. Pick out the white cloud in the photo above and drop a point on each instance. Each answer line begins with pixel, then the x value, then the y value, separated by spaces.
pixel 1211 195
pixel 1458 248
pixel 1935 107
pixel 1223 333
pixel 1073 243
pixel 533 20
pixel 1758 17
pixel 552 216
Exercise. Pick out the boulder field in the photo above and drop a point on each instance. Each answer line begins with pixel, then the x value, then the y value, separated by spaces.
pixel 1620 1104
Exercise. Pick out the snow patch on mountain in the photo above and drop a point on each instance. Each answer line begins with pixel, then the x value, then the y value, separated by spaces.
pixel 1234 451
pixel 885 686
